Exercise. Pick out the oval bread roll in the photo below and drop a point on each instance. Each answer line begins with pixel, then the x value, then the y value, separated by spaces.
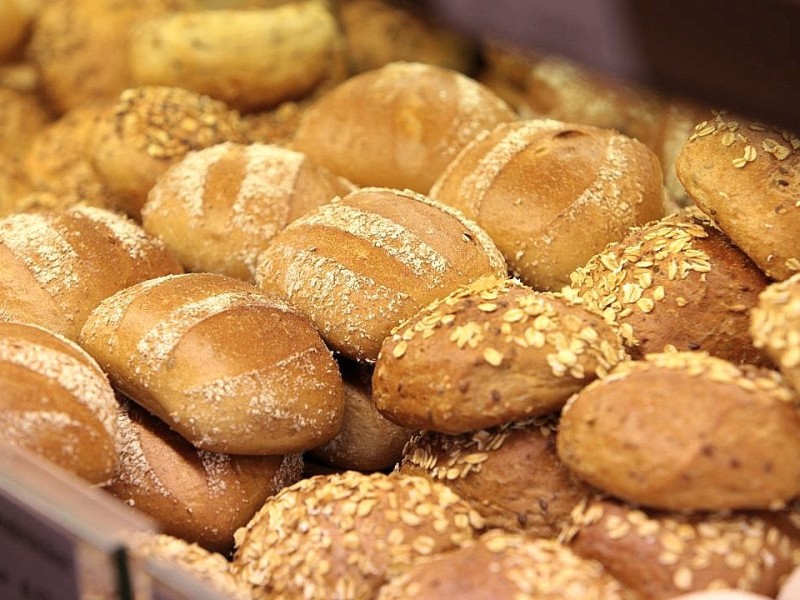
pixel 230 368
pixel 775 326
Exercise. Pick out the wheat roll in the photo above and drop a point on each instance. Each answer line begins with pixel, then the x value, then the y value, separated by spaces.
pixel 230 368
pixel 361 264
pixel 775 326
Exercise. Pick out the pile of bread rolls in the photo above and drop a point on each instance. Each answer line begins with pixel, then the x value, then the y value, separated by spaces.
pixel 357 307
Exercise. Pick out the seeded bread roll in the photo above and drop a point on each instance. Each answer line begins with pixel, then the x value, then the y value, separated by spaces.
pixel 22 117
pixel 510 474
pixel 552 194
pixel 230 368
pixel 775 326
pixel 360 265
pixel 274 126
pixel 149 129
pixel 677 282
pixel 343 536
pixel 56 402
pixel 686 431
pixel 56 267
pixel 199 496
pixel 491 352
pixel 661 555
pixel 218 208
pixel 746 176
pixel 398 126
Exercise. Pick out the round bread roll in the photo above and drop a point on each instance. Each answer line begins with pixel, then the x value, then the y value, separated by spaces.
pixel 149 129
pixel 199 496
pixel 218 208
pixel 510 474
pixel 14 186
pixel 686 431
pixel 368 441
pixel 230 368
pixel 677 282
pixel 746 176
pixel 56 267
pixel 506 566
pixel 552 194
pixel 56 402
pixel 661 555
pixel 491 352
pixel 345 535
pixel 21 119
pixel 775 326
pixel 398 126
pixel 360 265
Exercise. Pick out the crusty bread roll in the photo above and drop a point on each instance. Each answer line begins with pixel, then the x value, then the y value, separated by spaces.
pixel 345 535
pixel 686 431
pixel 775 326
pixel 56 401
pixel 746 176
pixel 230 368
pixel 489 353
pixel 510 474
pixel 218 208
pixel 360 265
pixel 21 119
pixel 398 126
pixel 199 496
pixel 552 194
pixel 56 266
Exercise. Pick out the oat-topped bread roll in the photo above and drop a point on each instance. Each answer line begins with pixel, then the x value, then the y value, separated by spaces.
pixel 491 352
pixel 230 368
pixel 553 194
pixel 218 208
pixel 345 535
pixel 686 431
pixel 746 176
pixel 149 129
pixel 22 117
pixel 202 497
pixel 662 554
pixel 510 474
pixel 56 402
pixel 56 266
pixel 678 282
pixel 360 265
pixel 398 126
pixel 775 326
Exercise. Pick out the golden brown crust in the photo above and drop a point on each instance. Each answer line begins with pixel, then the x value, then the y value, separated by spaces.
pixel 686 431
pixel 775 326
pixel 745 176
pixel 491 352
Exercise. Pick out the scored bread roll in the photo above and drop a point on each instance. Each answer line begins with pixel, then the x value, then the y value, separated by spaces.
pixel 230 368
pixel 775 326
pixel 56 402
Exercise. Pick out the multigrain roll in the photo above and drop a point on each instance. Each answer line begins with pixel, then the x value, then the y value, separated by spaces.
pixel 661 555
pixel 276 125
pixel 228 367
pixel 490 352
pixel 552 194
pixel 199 496
pixel 398 126
pixel 56 266
pixel 345 535
pixel 686 431
pixel 746 176
pixel 775 326
pixel 510 474
pixel 56 402
pixel 218 208
pixel 361 264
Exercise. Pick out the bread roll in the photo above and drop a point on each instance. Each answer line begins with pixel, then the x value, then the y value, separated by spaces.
pixel 276 125
pixel 489 353
pixel 21 119
pixel 360 265
pixel 218 208
pixel 343 536
pixel 775 326
pixel 746 176
pixel 398 126
pixel 552 194
pixel 56 402
pixel 228 367
pixel 686 431
pixel 56 267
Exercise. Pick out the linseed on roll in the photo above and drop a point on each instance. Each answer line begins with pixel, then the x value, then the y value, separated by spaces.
pixel 775 326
